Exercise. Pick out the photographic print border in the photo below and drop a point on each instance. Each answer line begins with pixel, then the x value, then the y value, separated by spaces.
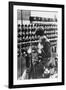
pixel 11 5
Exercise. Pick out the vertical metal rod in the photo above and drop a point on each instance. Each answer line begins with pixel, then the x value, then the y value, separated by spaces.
pixel 21 44
pixel 21 18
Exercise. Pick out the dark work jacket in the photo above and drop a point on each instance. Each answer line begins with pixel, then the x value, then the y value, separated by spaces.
pixel 46 51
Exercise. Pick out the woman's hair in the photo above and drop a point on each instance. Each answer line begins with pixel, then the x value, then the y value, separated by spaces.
pixel 40 32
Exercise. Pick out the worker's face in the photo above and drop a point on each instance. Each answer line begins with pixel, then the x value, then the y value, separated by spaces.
pixel 39 39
